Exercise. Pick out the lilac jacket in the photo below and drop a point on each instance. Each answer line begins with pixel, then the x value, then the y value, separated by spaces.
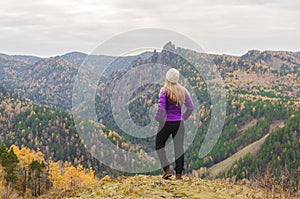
pixel 167 111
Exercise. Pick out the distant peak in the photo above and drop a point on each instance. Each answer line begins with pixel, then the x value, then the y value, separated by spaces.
pixel 3 54
pixel 169 46
pixel 251 54
pixel 74 53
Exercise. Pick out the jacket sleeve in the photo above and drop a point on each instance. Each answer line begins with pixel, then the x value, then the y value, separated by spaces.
pixel 189 105
pixel 161 107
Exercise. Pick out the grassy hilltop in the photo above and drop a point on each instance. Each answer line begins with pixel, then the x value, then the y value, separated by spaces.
pixel 142 186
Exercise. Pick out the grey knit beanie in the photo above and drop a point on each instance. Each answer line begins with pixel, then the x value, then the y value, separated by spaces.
pixel 172 75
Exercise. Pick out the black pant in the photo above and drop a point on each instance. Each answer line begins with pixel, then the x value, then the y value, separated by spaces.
pixel 177 130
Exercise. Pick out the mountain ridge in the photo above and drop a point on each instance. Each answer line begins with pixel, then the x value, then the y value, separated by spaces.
pixel 255 91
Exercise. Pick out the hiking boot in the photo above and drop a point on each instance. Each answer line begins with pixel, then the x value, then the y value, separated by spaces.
pixel 167 174
pixel 178 176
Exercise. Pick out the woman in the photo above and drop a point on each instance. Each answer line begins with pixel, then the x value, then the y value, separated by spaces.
pixel 170 117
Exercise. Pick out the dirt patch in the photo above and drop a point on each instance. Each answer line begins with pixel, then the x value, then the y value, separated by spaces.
pixel 247 125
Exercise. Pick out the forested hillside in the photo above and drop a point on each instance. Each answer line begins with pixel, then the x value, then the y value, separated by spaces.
pixel 279 157
pixel 44 129
pixel 262 89
pixel 53 132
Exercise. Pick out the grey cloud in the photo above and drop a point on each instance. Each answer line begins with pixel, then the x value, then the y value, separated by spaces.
pixel 43 27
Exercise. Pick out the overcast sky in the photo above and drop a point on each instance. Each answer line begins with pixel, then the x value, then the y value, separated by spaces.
pixel 51 27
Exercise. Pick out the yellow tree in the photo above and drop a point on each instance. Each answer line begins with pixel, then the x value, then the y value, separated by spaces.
pixel 55 175
pixel 26 156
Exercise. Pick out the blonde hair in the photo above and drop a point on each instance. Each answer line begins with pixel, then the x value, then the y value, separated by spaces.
pixel 175 92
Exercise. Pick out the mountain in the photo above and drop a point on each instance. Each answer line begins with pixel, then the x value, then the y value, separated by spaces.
pixel 275 59
pixel 23 58
pixel 37 127
pixel 267 73
pixel 74 57
pixel 54 133
pixel 262 89
pixel 49 81
pixel 260 102
pixel 50 131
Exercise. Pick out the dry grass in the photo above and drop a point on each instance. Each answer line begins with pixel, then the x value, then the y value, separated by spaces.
pixel 141 186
